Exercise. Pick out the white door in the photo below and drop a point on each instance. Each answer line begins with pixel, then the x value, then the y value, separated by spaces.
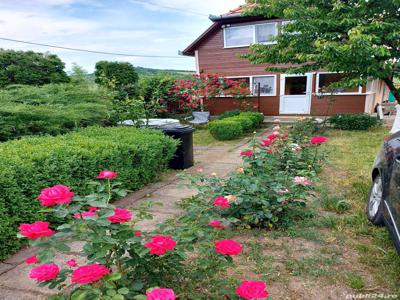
pixel 295 96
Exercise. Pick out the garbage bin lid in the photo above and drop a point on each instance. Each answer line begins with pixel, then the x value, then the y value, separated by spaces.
pixel 177 128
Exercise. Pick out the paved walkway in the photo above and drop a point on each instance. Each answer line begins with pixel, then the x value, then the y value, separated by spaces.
pixel 14 280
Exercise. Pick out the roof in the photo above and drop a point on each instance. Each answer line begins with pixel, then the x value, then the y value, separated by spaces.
pixel 234 15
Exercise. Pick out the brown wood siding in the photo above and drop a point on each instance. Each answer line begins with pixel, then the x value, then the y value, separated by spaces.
pixel 215 59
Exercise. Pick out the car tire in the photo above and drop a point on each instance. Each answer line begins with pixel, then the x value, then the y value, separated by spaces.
pixel 375 201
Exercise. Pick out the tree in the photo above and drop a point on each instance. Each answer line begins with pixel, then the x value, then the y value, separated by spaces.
pixel 122 75
pixel 357 37
pixel 28 67
pixel 78 75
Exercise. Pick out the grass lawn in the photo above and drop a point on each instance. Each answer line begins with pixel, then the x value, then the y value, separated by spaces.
pixel 328 250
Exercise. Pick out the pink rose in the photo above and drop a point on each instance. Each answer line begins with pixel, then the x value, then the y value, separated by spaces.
pixel 32 260
pixel 85 214
pixel 89 273
pixel 316 140
pixel 301 180
pixel 216 224
pixel 250 290
pixel 227 247
pixel 120 216
pixel 72 263
pixel 107 175
pixel 93 208
pixel 266 142
pixel 221 201
pixel 58 194
pixel 160 244
pixel 44 272
pixel 35 230
pixel 160 294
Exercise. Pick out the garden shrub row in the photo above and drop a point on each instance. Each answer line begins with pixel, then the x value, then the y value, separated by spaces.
pixel 229 128
pixel 353 121
pixel 31 164
pixel 51 109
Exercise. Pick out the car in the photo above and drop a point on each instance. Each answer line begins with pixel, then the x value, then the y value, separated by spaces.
pixel 384 197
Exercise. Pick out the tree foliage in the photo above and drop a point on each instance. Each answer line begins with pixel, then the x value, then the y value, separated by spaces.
pixel 360 38
pixel 28 67
pixel 120 76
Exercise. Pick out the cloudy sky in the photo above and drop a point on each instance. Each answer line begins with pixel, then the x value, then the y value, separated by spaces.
pixel 147 27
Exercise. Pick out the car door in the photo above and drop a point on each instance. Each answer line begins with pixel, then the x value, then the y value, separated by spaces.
pixel 392 200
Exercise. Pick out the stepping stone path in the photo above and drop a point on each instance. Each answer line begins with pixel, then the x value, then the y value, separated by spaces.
pixel 15 283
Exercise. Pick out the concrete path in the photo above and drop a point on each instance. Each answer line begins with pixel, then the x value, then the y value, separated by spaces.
pixel 14 280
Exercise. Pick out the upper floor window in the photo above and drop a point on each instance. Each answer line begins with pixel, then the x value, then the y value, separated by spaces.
pixel 324 80
pixel 243 36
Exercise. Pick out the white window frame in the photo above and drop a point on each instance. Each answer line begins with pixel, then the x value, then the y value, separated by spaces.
pixel 254 34
pixel 251 84
pixel 338 94
pixel 263 95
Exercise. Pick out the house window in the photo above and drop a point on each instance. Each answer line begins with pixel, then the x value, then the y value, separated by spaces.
pixel 243 36
pixel 326 79
pixel 265 33
pixel 239 36
pixel 266 83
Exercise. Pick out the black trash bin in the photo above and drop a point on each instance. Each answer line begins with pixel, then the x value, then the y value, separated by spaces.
pixel 183 157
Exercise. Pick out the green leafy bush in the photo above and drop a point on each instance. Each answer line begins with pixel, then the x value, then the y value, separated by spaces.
pixel 228 128
pixel 304 128
pixel 245 122
pixel 225 129
pixel 353 121
pixel 51 109
pixel 256 118
pixel 31 164
pixel 229 113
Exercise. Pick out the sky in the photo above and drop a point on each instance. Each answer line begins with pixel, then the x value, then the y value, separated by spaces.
pixel 122 26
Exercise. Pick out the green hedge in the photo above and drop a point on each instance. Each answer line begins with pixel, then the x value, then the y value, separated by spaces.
pixel 232 127
pixel 31 164
pixel 353 121
pixel 51 109
pixel 225 129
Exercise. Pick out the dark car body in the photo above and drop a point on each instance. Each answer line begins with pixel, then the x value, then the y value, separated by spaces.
pixel 387 165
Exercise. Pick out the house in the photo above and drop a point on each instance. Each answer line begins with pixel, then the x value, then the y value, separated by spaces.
pixel 218 49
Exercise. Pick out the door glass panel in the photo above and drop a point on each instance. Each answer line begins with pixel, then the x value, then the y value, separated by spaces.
pixel 296 85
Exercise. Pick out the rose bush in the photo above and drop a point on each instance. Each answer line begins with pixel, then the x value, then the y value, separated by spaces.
pixel 119 262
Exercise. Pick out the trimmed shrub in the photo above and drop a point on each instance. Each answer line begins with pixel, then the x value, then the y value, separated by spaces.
pixel 228 129
pixel 257 118
pixel 31 164
pixel 51 109
pixel 225 129
pixel 229 113
pixel 247 123
pixel 353 121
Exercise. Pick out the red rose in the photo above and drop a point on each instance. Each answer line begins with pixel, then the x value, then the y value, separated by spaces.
pixel 107 175
pixel 160 294
pixel 227 247
pixel 221 201
pixel 247 153
pixel 266 142
pixel 35 230
pixel 58 194
pixel 250 290
pixel 273 136
pixel 160 244
pixel 89 273
pixel 93 208
pixel 138 233
pixel 32 260
pixel 316 140
pixel 44 272
pixel 120 215
pixel 72 263
pixel 216 224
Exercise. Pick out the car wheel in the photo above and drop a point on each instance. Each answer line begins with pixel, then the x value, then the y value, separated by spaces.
pixel 375 202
